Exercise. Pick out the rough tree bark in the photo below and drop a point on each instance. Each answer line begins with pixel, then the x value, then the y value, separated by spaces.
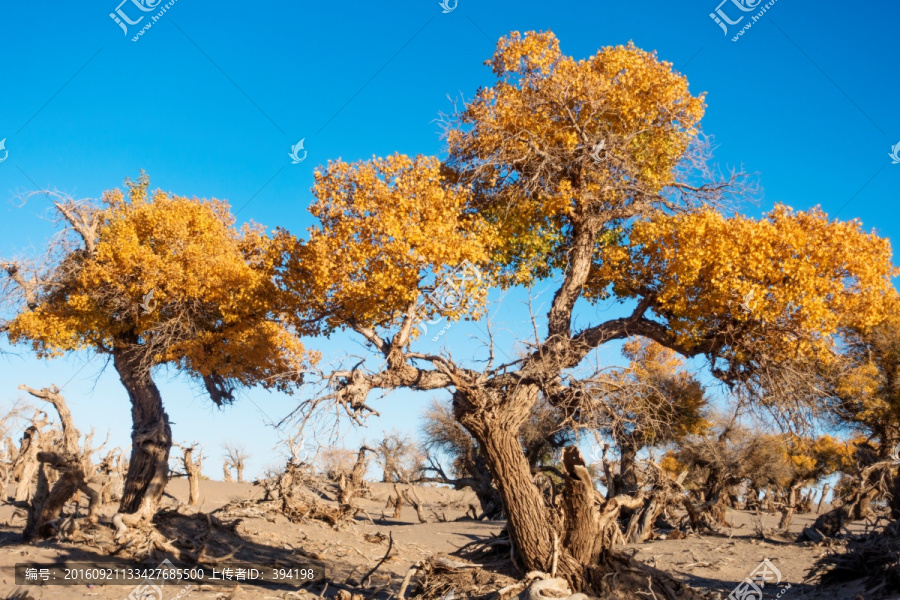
pixel 822 497
pixel 497 432
pixel 26 465
pixel 192 468
pixel 151 440
pixel 789 507
pixel 627 480
pixel 74 466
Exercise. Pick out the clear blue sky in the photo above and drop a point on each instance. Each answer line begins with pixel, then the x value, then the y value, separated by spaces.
pixel 211 98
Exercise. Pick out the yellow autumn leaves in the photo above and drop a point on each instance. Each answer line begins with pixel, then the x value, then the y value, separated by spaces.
pixel 521 179
pixel 214 306
pixel 528 143
pixel 792 279
pixel 388 227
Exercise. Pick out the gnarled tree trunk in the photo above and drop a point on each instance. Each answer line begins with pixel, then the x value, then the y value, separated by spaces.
pixel 74 467
pixel 627 481
pixel 575 542
pixel 151 440
pixel 26 464
pixel 497 432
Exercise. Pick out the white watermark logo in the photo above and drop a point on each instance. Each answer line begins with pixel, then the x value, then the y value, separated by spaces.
pixel 124 20
pixel 445 4
pixel 895 153
pixel 149 303
pixel 748 304
pixel 5 151
pixel 295 152
pixel 751 587
pixel 448 295
pixel 723 18
pixel 597 149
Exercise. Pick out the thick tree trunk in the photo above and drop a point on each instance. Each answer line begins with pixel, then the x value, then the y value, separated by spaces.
pixel 497 432
pixel 26 466
pixel 640 525
pixel 788 508
pixel 627 481
pixel 151 439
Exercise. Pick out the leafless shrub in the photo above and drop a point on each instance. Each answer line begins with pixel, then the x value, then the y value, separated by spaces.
pixel 235 458
pixel 400 458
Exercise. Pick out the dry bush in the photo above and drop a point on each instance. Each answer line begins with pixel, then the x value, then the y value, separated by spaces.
pixel 235 458
pixel 333 462
pixel 400 458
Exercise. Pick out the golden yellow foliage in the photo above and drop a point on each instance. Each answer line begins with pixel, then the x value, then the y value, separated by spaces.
pixel 790 281
pixel 213 305
pixel 386 226
pixel 654 400
pixel 528 142
pixel 867 394
pixel 811 459
pixel 671 465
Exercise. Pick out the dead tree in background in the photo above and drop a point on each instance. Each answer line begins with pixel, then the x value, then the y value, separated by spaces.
pixel 25 466
pixel 822 497
pixel 73 464
pixel 113 468
pixel 400 458
pixel 235 456
pixel 352 484
pixel 193 468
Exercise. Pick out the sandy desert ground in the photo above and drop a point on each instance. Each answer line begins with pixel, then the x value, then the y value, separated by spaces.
pixel 715 562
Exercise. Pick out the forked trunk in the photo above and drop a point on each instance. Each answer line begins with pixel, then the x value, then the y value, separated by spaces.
pixel 151 438
pixel 577 544
pixel 788 508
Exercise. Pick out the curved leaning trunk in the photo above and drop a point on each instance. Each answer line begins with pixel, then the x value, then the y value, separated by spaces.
pixel 576 544
pixel 528 520
pixel 151 439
